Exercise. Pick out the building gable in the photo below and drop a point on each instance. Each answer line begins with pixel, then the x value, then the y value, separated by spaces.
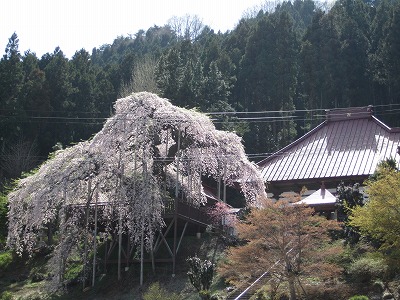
pixel 348 145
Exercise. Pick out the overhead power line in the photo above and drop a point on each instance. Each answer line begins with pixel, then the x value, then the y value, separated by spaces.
pixel 100 121
pixel 228 113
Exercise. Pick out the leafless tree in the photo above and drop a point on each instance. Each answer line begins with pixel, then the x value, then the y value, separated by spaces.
pixel 187 27
pixel 19 157
pixel 143 78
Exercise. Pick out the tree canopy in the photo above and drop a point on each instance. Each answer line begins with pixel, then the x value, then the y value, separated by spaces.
pixel 148 148
pixel 287 241
pixel 379 218
pixel 284 64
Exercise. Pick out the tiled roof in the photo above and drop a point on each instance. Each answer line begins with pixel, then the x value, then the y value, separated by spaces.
pixel 348 144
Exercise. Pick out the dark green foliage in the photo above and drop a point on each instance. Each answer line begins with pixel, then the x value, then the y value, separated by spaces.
pixel 73 271
pixel 297 56
pixel 156 292
pixel 368 268
pixel 6 259
pixel 6 296
pixel 3 220
pixel 201 274
pixel 349 195
pixel 358 297
pixel 387 164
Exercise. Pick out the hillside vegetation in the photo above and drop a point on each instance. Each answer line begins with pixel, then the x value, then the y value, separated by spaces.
pixel 268 80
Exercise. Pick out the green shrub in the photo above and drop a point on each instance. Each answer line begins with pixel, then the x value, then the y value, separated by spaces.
pixel 6 296
pixel 205 294
pixel 73 271
pixel 156 292
pixel 358 297
pixel 216 297
pixel 3 219
pixel 5 260
pixel 366 269
pixel 260 295
pixel 201 273
pixel 328 291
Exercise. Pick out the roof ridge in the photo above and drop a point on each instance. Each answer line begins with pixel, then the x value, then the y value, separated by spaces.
pixel 349 113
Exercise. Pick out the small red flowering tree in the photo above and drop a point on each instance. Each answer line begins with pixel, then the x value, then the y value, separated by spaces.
pixel 289 241
pixel 146 149
pixel 221 215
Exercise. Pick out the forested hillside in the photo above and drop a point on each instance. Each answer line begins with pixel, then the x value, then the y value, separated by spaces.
pixel 278 69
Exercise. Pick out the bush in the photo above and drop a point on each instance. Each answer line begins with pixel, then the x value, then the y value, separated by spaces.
pixel 5 260
pixel 6 296
pixel 260 295
pixel 357 297
pixel 366 269
pixel 156 292
pixel 328 292
pixel 205 294
pixel 201 274
pixel 73 271
pixel 38 274
pixel 3 219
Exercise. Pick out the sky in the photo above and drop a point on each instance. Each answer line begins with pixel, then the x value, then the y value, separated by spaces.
pixel 42 25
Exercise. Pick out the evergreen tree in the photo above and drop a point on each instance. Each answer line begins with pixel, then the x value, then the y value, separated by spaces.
pixel 320 64
pixel 378 72
pixel 267 78
pixel 83 81
pixel 216 89
pixel 392 54
pixel 36 102
pixel 169 75
pixel 59 86
pixel 11 82
pixel 352 19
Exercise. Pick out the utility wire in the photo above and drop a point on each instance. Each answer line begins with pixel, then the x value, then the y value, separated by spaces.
pixel 218 112
pixel 96 120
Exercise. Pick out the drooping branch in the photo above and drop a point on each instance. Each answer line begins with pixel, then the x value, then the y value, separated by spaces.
pixel 131 162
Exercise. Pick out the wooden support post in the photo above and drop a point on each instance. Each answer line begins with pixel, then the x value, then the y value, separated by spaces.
pixel 166 244
pixel 85 255
pixel 141 253
pixel 224 184
pixel 161 236
pixel 183 233
pixel 153 265
pixel 62 227
pixel 121 167
pixel 119 245
pixel 219 188
pixel 176 204
pixel 128 251
pixel 121 176
pixel 95 237
pixel 105 255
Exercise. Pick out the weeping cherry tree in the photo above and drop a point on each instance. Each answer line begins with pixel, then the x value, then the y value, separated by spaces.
pixel 147 150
